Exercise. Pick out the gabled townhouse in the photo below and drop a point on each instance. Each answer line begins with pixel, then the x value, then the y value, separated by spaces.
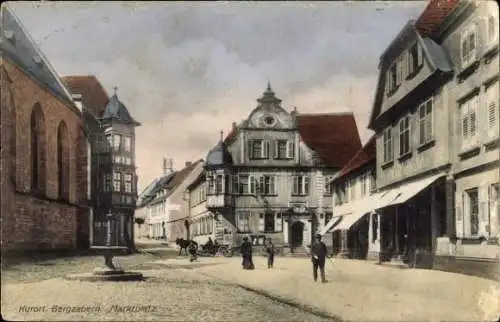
pixel 269 178
pixel 167 210
pixel 411 119
pixel 355 226
pixel 436 118
pixel 469 33
pixel 44 179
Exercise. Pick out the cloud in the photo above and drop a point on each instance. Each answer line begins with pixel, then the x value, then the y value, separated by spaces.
pixel 187 71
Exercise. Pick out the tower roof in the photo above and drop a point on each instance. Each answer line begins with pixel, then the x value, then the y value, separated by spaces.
pixel 116 110
pixel 268 96
pixel 219 155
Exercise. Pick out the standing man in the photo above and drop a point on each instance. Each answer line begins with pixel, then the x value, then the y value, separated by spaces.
pixel 318 252
pixel 270 253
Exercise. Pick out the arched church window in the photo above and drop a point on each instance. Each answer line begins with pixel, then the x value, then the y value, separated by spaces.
pixel 37 127
pixel 63 160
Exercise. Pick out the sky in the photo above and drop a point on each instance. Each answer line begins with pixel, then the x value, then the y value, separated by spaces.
pixel 186 71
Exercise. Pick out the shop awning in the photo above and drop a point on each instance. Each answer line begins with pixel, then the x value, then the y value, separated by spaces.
pixel 362 207
pixel 331 225
pixel 407 191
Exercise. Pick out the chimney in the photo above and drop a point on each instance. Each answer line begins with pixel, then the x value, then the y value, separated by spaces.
pixel 77 99
pixel 188 163
pixel 167 166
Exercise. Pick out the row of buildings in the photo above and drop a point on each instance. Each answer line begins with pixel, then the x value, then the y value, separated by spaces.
pixel 67 154
pixel 423 190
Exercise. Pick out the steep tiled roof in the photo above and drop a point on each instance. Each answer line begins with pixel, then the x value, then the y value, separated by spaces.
pixel 231 135
pixel 434 15
pixel 94 96
pixel 334 137
pixel 365 155
pixel 177 178
pixel 219 155
pixel 17 45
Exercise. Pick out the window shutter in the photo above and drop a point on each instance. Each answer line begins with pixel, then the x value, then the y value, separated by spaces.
pixel 250 149
pixel 265 149
pixel 262 185
pixel 290 149
pixel 492 108
pixel 429 120
pixel 404 64
pixel 419 55
pixel 272 185
pixel 473 118
pixel 465 124
pixel 483 211
pixel 306 185
pixel 295 185
pixel 275 146
pixel 459 218
pixel 261 222
pixel 278 223
pixel 235 184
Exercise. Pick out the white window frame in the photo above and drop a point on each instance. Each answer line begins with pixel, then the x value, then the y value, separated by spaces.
pixel 388 146
pixel 127 182
pixel 492 113
pixel 108 182
pixel 424 119
pixel 364 185
pixel 117 138
pixel 468 213
pixel 467 58
pixel 270 185
pixel 411 67
pixel 243 221
pixel 127 143
pixel 468 115
pixel 250 184
pixel 302 183
pixel 117 181
pixel 328 186
pixel 492 35
pixel 493 208
pixel 404 126
pixel 264 149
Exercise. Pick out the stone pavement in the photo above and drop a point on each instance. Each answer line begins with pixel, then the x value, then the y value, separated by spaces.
pixel 363 291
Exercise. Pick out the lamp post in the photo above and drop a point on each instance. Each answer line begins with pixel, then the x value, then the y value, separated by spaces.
pixel 108 256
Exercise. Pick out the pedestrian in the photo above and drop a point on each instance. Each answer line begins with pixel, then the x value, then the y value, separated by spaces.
pixel 270 253
pixel 193 249
pixel 318 252
pixel 246 254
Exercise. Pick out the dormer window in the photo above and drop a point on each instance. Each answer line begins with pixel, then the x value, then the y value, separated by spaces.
pixel 414 59
pixel 38 61
pixel 492 29
pixel 392 78
pixel 468 45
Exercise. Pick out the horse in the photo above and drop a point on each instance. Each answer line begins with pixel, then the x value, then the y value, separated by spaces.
pixel 183 244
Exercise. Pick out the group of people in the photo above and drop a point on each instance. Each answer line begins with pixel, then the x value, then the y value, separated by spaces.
pixel 318 256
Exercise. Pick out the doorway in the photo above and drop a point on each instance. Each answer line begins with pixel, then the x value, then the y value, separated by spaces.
pixel 297 233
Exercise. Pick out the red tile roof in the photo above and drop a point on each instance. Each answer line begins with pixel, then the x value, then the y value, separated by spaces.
pixel 365 155
pixel 94 96
pixel 434 15
pixel 334 137
pixel 231 135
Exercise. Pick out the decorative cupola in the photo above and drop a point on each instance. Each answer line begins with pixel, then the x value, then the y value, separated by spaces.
pixel 116 111
pixel 268 97
pixel 218 174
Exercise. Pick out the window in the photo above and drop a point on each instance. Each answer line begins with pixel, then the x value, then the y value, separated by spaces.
pixel 284 149
pixel 328 217
pixel 219 183
pixel 472 209
pixel 353 186
pixel 468 45
pixel 37 149
pixel 328 188
pixel 268 185
pixel 243 221
pixel 492 110
pixel 63 160
pixel 404 136
pixel 258 149
pixel 469 123
pixel 127 143
pixel 494 207
pixel 492 29
pixel 388 155
pixel 391 78
pixel 364 182
pixel 414 59
pixel 107 182
pixel 116 142
pixel 425 121
pixel 109 139
pixel 269 221
pixel 245 184
pixel 117 178
pixel 127 178
pixel 300 185
pixel 373 183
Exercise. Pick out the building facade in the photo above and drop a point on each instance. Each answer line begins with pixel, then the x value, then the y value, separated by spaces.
pixel 469 33
pixel 436 118
pixel 44 190
pixel 111 171
pixel 355 226
pixel 267 178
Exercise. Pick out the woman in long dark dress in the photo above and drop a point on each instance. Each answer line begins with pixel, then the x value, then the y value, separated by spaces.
pixel 246 254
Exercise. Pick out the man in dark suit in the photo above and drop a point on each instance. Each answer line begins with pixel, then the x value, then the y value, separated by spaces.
pixel 318 258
